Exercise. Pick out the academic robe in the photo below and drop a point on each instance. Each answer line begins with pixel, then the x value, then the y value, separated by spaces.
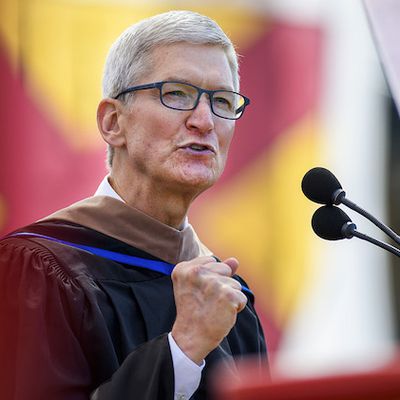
pixel 76 326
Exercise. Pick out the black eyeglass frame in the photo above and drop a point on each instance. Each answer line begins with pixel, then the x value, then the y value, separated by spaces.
pixel 200 91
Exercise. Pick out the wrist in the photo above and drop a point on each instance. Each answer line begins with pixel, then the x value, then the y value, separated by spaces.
pixel 195 349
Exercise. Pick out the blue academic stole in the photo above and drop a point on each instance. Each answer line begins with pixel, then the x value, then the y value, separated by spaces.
pixel 152 265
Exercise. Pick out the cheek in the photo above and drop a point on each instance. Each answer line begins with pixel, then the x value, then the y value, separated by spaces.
pixel 145 133
pixel 225 142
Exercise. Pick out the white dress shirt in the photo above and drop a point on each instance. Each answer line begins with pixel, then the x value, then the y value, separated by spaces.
pixel 187 374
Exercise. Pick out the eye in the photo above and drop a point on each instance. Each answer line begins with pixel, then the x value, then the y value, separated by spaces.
pixel 175 93
pixel 220 101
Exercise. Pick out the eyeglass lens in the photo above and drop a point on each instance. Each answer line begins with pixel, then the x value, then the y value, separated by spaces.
pixel 180 96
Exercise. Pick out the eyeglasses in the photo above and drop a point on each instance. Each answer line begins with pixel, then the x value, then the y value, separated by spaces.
pixel 185 97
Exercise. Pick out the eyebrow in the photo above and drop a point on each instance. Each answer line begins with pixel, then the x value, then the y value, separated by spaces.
pixel 176 79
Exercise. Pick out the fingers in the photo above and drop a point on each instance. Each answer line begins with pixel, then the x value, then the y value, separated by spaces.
pixel 207 268
pixel 242 302
pixel 212 277
pixel 220 267
pixel 233 264
pixel 207 301
pixel 209 264
pixel 231 290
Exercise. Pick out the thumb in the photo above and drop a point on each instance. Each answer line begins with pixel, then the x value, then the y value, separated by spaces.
pixel 233 263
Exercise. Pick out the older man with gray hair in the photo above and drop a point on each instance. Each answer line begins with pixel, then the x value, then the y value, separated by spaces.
pixel 115 297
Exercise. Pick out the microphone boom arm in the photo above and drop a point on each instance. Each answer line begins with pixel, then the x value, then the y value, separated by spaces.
pixel 371 218
pixel 349 230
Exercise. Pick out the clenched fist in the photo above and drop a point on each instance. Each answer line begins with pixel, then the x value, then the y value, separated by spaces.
pixel 207 301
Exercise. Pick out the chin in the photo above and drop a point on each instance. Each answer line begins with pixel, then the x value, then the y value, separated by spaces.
pixel 198 174
pixel 198 183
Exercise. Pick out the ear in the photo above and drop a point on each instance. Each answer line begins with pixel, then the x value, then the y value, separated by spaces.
pixel 108 122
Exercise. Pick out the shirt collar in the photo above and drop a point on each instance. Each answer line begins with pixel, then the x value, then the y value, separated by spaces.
pixel 105 189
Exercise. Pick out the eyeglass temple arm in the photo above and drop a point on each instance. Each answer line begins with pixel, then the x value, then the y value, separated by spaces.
pixel 240 109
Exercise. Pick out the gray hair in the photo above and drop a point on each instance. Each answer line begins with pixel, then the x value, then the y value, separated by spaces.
pixel 128 57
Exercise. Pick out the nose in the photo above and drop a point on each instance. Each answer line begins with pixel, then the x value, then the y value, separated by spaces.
pixel 201 118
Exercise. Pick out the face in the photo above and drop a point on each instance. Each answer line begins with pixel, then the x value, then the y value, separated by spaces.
pixel 178 150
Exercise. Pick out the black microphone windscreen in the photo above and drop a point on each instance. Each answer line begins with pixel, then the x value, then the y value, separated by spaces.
pixel 327 222
pixel 319 185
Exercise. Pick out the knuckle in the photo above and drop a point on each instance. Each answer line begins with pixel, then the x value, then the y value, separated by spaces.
pixel 196 274
pixel 243 302
pixel 191 273
pixel 231 296
pixel 236 284
pixel 178 267
pixel 227 293
pixel 225 269
pixel 179 271
pixel 176 272
pixel 243 299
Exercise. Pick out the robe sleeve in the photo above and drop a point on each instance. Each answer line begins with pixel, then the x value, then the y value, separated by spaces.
pixel 145 374
pixel 42 310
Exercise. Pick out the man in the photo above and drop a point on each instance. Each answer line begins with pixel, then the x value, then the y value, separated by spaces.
pixel 115 297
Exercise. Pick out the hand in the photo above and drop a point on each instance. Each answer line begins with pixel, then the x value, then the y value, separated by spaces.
pixel 207 301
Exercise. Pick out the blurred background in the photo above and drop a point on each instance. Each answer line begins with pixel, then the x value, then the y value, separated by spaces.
pixel 318 97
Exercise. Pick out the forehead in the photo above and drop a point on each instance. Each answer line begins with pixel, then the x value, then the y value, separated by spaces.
pixel 205 65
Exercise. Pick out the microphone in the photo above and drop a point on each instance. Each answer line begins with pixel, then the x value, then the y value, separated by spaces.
pixel 332 223
pixel 321 186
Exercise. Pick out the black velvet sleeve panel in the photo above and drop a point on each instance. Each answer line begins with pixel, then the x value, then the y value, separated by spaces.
pixel 55 342
pixel 41 310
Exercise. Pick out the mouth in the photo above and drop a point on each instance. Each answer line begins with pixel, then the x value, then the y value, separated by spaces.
pixel 200 148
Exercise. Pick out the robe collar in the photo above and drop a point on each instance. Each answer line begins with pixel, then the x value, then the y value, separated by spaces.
pixel 115 218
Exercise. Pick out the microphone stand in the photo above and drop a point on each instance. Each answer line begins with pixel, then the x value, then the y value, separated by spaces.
pixel 350 229
pixel 339 197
